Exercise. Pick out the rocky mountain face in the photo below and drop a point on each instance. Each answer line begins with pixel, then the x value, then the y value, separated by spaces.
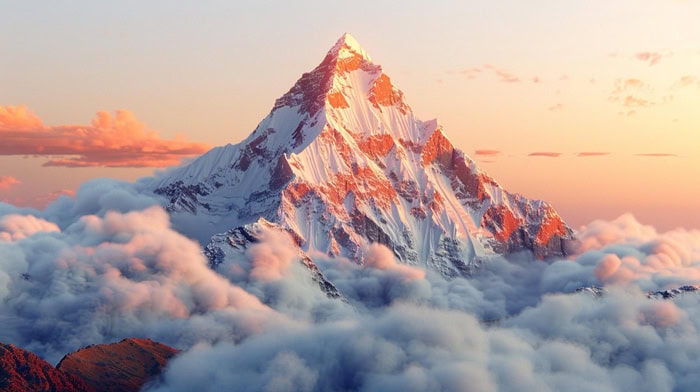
pixel 667 294
pixel 674 292
pixel 22 371
pixel 124 366
pixel 341 161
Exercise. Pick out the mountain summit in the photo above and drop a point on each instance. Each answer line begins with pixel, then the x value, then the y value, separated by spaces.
pixel 341 161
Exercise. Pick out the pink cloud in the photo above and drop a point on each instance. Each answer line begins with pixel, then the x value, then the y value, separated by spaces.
pixel 652 58
pixel 635 102
pixel 36 201
pixel 487 152
pixel 19 117
pixel 113 141
pixel 632 83
pixel 471 73
pixel 272 257
pixel 625 85
pixel 632 93
pixel 591 154
pixel 380 257
pixel 607 268
pixel 503 74
pixel 15 227
pixel 556 107
pixel 601 233
pixel 7 182
pixel 661 314
pixel 687 81
pixel 648 258
pixel 547 154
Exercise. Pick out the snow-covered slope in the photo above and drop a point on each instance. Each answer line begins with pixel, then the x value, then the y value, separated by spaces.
pixel 341 161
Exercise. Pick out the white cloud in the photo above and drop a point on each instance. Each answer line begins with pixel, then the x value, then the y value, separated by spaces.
pixel 107 265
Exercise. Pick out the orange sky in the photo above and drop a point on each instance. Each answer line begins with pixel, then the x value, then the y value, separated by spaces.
pixel 534 86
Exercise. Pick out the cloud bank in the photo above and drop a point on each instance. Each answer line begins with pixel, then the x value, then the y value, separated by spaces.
pixel 515 325
pixel 108 264
pixel 118 140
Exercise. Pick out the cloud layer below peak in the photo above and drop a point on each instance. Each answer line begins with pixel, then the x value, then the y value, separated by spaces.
pixel 108 264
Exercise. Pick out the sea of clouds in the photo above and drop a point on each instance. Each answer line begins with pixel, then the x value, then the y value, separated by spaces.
pixel 108 264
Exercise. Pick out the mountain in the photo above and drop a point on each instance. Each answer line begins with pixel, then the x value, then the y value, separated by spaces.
pixel 342 161
pixel 122 366
pixel 669 294
pixel 228 248
pixel 22 371
pixel 673 293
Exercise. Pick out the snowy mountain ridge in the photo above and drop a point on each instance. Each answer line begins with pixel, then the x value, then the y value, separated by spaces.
pixel 341 161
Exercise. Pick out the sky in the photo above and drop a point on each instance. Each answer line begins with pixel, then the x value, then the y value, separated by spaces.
pixel 591 106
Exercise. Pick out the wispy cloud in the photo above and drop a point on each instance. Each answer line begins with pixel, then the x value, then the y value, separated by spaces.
pixel 626 85
pixel 656 154
pixel 556 107
pixel 652 58
pixel 471 73
pixel 118 140
pixel 686 81
pixel 547 154
pixel 503 74
pixel 585 154
pixel 632 93
pixel 632 83
pixel 487 152
pixel 7 182
pixel 636 102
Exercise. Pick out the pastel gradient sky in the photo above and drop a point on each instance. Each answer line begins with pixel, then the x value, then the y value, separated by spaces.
pixel 591 105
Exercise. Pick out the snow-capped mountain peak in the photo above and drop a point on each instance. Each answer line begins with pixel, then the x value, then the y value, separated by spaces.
pixel 341 161
pixel 346 47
